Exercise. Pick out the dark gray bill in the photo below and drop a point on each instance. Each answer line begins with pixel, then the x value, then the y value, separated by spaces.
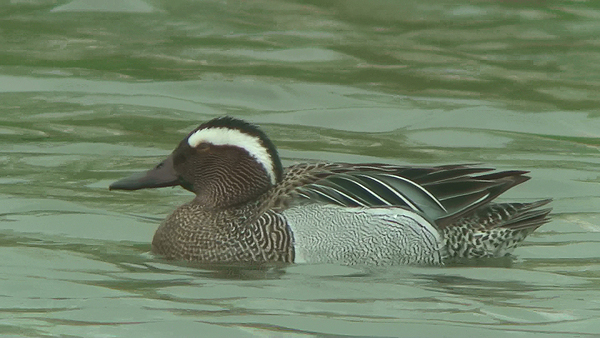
pixel 163 175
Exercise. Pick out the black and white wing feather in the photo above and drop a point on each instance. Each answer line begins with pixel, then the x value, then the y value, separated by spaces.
pixel 442 193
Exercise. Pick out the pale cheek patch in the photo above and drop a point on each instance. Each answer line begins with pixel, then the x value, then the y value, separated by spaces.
pixel 236 138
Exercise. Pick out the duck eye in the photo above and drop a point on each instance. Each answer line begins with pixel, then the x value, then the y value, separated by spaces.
pixel 202 147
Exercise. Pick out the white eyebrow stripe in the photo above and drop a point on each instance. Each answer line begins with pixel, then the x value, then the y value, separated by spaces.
pixel 236 138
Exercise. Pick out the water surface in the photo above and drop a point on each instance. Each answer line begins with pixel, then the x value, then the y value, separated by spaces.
pixel 93 90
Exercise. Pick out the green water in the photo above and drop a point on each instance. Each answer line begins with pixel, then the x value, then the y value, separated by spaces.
pixel 93 90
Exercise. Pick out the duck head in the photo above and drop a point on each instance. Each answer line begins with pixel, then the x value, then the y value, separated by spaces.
pixel 225 161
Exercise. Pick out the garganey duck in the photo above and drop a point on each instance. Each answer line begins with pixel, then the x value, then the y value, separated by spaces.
pixel 249 209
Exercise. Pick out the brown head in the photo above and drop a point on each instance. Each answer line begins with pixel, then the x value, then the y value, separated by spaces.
pixel 224 161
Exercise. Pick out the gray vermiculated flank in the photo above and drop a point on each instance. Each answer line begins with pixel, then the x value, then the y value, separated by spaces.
pixel 333 234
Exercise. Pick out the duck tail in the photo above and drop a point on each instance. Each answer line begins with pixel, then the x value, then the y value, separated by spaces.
pixel 494 230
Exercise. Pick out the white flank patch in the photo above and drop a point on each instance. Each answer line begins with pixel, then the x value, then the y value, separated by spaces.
pixel 236 138
pixel 325 233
